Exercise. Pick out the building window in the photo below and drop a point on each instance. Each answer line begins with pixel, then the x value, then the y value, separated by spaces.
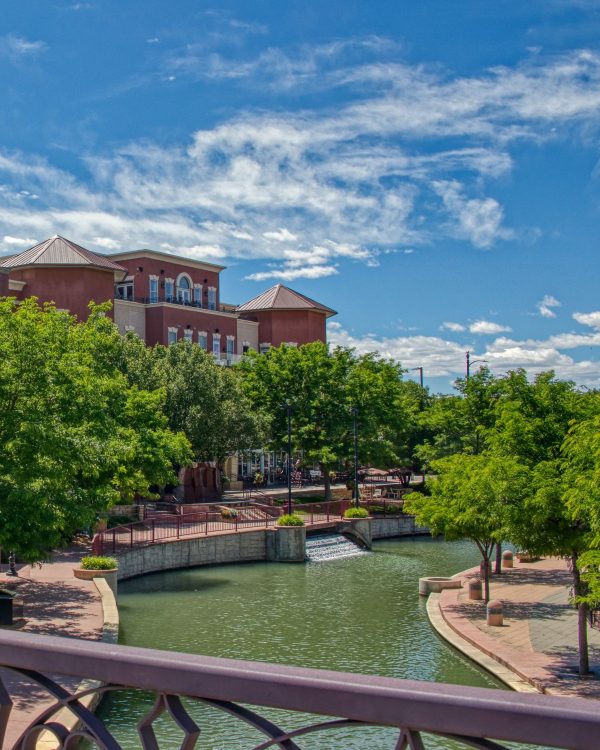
pixel 264 348
pixel 198 295
pixel 245 347
pixel 216 345
pixel 230 348
pixel 169 290
pixel 124 291
pixel 188 334
pixel 153 289
pixel 212 298
pixel 202 340
pixel 184 289
pixel 172 337
pixel 129 329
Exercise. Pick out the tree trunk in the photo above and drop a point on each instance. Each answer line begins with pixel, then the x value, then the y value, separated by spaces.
pixel 484 570
pixel 498 568
pixel 327 480
pixel 582 612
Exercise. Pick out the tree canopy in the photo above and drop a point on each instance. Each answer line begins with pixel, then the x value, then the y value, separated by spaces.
pixel 74 436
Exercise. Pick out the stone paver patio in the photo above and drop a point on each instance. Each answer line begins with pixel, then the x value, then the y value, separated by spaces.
pixel 538 640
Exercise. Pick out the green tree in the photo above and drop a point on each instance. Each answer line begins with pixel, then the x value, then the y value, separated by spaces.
pixel 203 400
pixel 74 438
pixel 468 499
pixel 459 423
pixel 540 424
pixel 322 388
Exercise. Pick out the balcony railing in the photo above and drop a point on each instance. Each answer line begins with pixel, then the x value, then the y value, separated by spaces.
pixel 470 717
pixel 161 299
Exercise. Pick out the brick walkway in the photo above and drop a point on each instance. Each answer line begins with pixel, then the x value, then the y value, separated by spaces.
pixel 538 640
pixel 56 603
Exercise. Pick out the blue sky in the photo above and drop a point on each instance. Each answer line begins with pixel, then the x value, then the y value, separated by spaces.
pixel 430 170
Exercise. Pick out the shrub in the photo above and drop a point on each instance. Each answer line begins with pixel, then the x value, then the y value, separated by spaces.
pixel 229 513
pixel 292 519
pixel 356 513
pixel 99 563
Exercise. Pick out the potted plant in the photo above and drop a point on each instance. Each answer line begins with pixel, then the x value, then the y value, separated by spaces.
pixel 291 519
pixel 98 567
pixel 229 514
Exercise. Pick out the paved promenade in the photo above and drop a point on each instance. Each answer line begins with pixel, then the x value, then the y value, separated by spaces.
pixel 538 641
pixel 56 603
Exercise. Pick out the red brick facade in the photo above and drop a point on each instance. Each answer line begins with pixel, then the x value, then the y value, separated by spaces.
pixel 164 298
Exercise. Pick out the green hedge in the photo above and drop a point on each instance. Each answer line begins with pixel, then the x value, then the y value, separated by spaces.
pixel 356 513
pixel 99 563
pixel 290 520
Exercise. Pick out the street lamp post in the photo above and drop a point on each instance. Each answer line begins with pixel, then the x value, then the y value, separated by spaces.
pixel 289 452
pixel 420 369
pixel 471 362
pixel 354 416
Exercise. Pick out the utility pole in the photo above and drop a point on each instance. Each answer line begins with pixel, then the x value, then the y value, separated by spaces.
pixel 471 362
pixel 420 369
pixel 289 451
pixel 354 416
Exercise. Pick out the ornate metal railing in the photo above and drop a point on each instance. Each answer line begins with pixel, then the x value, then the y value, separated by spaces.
pixel 472 717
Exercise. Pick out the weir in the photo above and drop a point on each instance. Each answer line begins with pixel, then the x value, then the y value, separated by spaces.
pixel 325 547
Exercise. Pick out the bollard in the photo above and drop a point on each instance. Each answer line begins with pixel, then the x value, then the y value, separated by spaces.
pixel 494 613
pixel 507 559
pixel 475 589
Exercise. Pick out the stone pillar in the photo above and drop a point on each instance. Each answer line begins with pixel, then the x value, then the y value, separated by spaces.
pixel 475 589
pixel 494 613
pixel 286 544
pixel 507 559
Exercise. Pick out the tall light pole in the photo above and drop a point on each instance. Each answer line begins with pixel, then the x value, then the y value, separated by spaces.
pixel 289 452
pixel 471 362
pixel 354 416
pixel 420 369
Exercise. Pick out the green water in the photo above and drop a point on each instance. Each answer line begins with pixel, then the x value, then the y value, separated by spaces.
pixel 361 614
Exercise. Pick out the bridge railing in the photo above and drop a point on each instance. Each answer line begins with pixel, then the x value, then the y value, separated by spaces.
pixel 343 703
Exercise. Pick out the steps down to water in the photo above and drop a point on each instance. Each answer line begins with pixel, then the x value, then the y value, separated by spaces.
pixel 325 547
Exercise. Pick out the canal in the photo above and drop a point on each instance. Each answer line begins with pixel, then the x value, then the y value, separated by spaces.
pixel 361 614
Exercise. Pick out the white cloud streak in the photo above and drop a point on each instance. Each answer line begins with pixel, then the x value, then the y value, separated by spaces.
pixel 487 327
pixel 546 304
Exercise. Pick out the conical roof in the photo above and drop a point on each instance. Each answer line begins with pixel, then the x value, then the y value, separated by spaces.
pixel 58 251
pixel 281 297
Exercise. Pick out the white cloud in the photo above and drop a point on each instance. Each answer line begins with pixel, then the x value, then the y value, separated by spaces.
pixel 281 235
pixel 588 319
pixel 486 327
pixel 23 241
pixel 440 357
pixel 449 326
pixel 289 274
pixel 546 304
pixel 15 48
pixel 368 177
pixel 476 219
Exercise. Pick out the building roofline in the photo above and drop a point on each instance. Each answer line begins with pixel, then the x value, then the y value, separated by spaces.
pixel 180 260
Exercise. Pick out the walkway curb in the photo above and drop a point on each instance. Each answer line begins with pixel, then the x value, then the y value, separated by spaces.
pixel 110 634
pixel 499 670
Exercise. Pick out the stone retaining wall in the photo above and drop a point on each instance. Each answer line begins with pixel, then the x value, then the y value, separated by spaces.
pixel 400 525
pixel 244 546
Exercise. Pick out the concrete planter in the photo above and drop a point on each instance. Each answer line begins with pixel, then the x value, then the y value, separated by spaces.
pixel 435 584
pixel 286 544
pixel 89 575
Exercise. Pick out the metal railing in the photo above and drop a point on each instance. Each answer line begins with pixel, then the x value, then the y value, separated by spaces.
pixel 343 702
pixel 177 524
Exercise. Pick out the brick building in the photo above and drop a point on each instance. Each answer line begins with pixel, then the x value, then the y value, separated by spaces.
pixel 163 298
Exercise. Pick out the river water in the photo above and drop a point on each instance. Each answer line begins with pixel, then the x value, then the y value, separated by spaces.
pixel 360 614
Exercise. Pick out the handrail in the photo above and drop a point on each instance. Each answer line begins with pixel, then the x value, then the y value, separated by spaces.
pixel 470 716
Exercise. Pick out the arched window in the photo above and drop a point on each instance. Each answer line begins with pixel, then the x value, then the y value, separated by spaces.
pixel 184 289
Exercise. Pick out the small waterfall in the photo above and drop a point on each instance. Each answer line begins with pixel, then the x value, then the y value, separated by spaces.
pixel 331 547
